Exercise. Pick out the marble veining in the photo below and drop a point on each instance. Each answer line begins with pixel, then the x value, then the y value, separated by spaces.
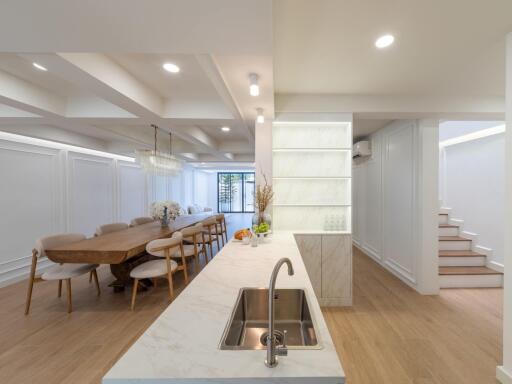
pixel 181 346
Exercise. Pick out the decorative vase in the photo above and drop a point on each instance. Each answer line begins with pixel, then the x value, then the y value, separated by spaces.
pixel 164 221
pixel 262 217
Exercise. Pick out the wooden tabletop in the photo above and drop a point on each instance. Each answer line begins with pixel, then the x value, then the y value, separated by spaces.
pixel 116 247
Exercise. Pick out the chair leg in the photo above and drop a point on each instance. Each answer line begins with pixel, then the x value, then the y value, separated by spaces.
pixel 169 279
pixel 218 242
pixel 90 277
pixel 29 295
pixel 60 289
pixel 31 281
pixel 155 282
pixel 68 288
pixel 134 292
pixel 196 263
pixel 95 276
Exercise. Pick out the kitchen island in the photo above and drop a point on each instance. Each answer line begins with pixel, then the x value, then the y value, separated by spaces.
pixel 182 345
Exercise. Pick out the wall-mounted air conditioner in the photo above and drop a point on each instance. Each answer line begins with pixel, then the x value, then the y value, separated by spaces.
pixel 361 149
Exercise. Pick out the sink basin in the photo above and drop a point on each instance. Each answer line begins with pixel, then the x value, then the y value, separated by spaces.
pixel 248 325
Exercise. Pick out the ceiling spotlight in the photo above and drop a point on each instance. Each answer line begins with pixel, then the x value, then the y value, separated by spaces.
pixel 384 41
pixel 259 115
pixel 254 88
pixel 170 67
pixel 39 66
pixel 226 129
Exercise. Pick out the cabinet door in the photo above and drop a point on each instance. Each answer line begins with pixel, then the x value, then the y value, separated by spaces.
pixel 310 247
pixel 336 266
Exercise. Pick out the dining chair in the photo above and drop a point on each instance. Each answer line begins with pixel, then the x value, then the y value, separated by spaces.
pixel 58 272
pixel 194 244
pixel 165 266
pixel 109 228
pixel 140 221
pixel 210 232
pixel 221 228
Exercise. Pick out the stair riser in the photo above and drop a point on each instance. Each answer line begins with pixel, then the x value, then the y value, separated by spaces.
pixel 443 219
pixel 455 245
pixel 448 231
pixel 471 281
pixel 462 261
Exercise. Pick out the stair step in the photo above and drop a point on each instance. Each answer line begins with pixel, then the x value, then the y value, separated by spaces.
pixel 468 271
pixel 462 253
pixel 448 226
pixel 453 238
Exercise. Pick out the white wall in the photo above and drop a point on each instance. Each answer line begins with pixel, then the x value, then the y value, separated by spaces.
pixel 472 179
pixel 504 373
pixel 390 192
pixel 47 190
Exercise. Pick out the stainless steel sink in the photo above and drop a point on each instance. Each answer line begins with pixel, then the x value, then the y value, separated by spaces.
pixel 247 327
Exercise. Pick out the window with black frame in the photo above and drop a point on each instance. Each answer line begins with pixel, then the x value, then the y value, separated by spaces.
pixel 235 192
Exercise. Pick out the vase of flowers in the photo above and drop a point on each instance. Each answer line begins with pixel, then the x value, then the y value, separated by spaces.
pixel 263 196
pixel 165 211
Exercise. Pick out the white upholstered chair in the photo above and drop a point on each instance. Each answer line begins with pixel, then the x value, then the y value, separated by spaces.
pixel 195 244
pixel 162 248
pixel 58 272
pixel 109 228
pixel 140 221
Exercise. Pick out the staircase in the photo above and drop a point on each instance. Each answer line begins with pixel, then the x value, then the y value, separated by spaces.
pixel 459 265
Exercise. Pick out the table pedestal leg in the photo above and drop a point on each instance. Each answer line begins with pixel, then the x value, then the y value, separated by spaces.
pixel 122 273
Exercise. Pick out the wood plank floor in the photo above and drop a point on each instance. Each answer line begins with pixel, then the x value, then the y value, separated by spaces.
pixel 394 335
pixel 390 335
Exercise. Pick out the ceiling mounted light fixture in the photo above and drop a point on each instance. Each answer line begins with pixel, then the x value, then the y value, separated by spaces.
pixel 170 67
pixel 254 88
pixel 225 129
pixel 39 66
pixel 384 41
pixel 157 162
pixel 259 116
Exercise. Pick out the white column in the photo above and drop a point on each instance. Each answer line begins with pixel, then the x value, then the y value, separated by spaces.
pixel 263 152
pixel 428 206
pixel 504 372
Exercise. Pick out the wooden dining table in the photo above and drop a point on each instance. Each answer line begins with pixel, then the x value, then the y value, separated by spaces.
pixel 121 249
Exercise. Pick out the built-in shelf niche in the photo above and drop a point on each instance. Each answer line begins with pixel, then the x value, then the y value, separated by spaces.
pixel 312 164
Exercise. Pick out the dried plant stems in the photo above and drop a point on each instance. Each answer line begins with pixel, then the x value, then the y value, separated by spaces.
pixel 264 195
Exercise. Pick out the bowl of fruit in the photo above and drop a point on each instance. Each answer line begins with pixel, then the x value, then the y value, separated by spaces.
pixel 261 230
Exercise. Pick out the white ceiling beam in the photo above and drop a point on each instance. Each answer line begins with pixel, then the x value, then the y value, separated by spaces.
pixel 20 94
pixel 212 70
pixel 394 107
pixel 101 76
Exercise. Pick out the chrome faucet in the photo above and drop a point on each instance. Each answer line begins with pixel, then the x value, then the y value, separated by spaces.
pixel 274 350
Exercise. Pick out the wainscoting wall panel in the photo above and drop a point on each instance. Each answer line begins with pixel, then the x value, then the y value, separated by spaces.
pixel 47 190
pixel 91 192
pixel 385 188
pixel 30 193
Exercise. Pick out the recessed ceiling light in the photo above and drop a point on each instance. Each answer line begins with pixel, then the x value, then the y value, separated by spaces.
pixel 170 67
pixel 254 88
pixel 384 41
pixel 39 66
pixel 226 129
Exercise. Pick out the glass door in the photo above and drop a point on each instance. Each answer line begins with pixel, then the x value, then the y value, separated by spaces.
pixel 235 192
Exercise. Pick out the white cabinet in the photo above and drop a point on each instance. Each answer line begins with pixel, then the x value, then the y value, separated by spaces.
pixel 328 261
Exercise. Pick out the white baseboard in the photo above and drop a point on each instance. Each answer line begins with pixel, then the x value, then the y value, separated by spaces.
pixel 496 266
pixel 503 376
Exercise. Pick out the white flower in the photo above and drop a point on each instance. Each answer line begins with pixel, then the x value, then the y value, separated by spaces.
pixel 158 208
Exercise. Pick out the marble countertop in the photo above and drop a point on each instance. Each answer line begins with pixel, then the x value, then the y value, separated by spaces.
pixel 182 345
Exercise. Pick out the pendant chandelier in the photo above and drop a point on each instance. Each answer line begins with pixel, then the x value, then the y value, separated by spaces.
pixel 158 162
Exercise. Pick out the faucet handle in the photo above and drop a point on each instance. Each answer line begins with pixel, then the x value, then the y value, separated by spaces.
pixel 282 350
